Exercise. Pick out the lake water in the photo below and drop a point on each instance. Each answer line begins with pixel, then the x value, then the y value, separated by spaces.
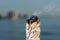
pixel 15 30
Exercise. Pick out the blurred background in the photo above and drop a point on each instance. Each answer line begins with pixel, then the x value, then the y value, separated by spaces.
pixel 13 14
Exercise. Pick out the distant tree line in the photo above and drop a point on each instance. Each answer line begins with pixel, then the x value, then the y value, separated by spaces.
pixel 10 14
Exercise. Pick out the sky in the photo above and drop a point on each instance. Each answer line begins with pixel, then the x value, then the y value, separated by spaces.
pixel 43 6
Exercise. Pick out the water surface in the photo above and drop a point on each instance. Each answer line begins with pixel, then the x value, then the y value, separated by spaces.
pixel 15 30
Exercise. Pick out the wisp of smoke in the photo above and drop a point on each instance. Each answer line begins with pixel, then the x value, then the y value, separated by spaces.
pixel 37 13
pixel 51 9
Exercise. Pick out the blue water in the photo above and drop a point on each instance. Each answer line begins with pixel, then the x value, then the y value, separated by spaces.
pixel 15 30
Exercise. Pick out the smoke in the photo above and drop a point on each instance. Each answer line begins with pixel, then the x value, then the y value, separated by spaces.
pixel 37 13
pixel 50 9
